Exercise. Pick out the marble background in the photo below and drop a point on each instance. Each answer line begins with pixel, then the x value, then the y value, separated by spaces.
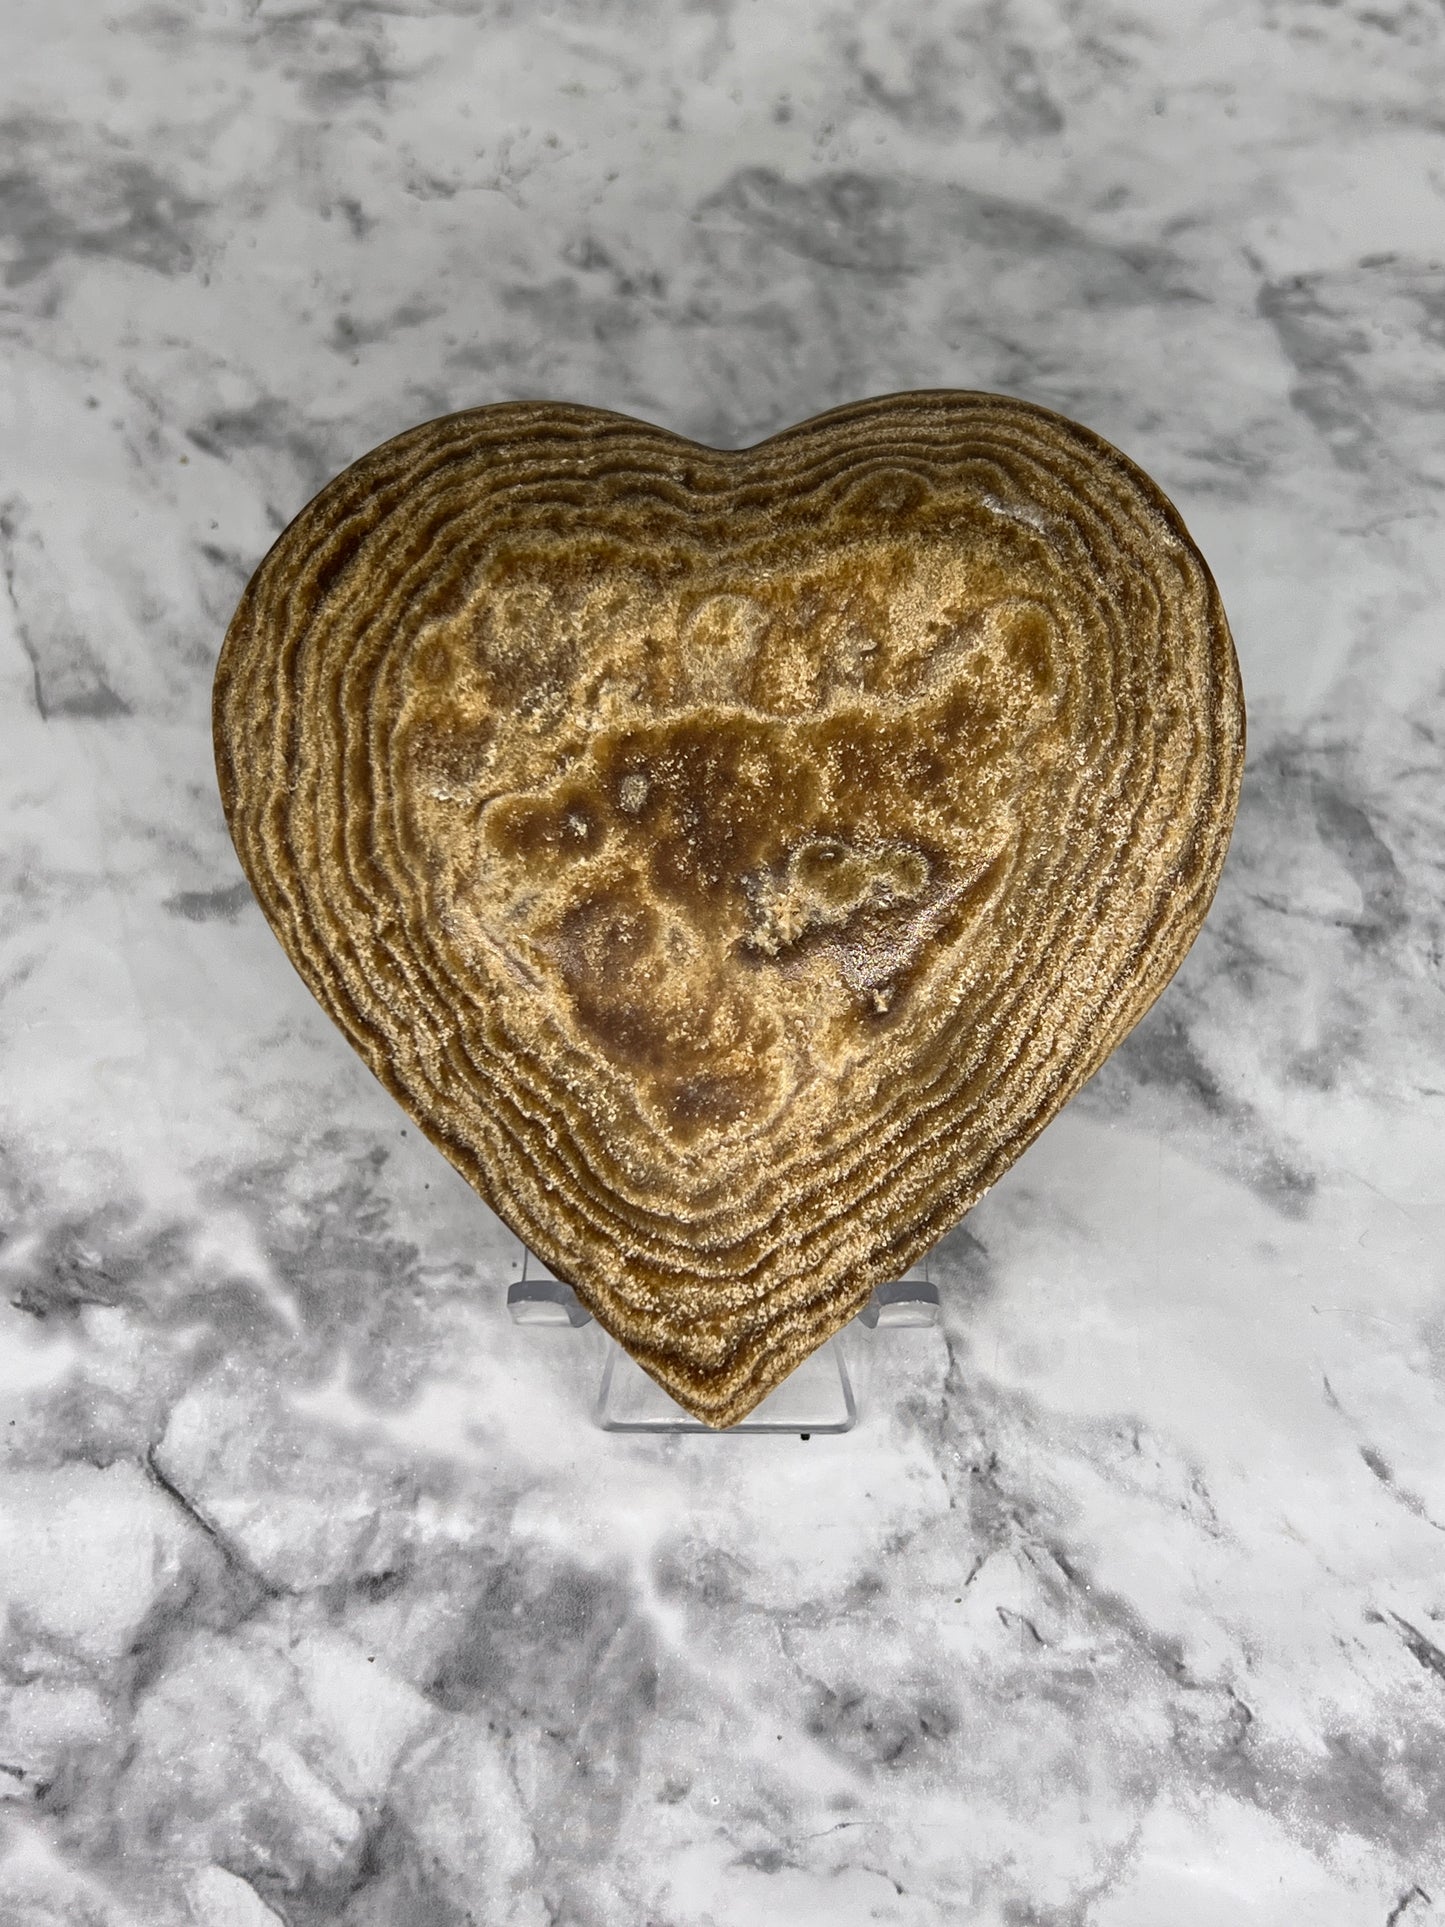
pixel 1124 1606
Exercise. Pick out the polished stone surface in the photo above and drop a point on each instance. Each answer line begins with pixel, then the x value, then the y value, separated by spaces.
pixel 1124 1603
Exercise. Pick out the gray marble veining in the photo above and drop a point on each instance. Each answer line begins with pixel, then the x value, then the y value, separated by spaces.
pixel 1124 1604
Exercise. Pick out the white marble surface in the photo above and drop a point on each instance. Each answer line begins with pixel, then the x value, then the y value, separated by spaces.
pixel 1124 1606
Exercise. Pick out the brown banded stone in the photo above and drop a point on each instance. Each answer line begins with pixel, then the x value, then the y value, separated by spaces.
pixel 732 860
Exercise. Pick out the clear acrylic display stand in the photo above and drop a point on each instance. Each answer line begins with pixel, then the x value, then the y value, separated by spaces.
pixel 816 1397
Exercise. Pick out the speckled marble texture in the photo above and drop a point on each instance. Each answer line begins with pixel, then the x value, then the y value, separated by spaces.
pixel 1124 1605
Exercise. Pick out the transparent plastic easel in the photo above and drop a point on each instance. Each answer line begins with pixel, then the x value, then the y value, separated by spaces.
pixel 817 1397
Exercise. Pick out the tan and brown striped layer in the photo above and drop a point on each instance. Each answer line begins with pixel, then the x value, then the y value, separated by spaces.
pixel 732 860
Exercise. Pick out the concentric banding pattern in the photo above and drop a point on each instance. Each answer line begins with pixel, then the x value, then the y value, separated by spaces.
pixel 733 860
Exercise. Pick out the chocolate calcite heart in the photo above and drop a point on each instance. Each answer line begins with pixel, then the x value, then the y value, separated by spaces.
pixel 732 860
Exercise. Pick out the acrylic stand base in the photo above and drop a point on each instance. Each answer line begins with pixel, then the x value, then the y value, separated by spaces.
pixel 818 1397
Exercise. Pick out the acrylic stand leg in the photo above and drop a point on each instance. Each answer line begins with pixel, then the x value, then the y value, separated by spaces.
pixel 817 1397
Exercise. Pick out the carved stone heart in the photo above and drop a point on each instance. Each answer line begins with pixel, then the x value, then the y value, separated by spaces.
pixel 732 860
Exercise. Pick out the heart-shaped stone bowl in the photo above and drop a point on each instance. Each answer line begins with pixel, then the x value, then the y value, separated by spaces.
pixel 732 860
